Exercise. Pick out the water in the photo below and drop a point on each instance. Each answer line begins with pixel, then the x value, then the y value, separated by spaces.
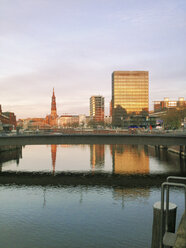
pixel 119 159
pixel 77 217
pixel 74 217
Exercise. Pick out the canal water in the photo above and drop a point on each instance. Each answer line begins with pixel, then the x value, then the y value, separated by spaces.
pixel 74 217
pixel 118 159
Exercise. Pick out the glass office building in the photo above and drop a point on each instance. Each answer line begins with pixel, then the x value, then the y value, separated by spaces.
pixel 130 93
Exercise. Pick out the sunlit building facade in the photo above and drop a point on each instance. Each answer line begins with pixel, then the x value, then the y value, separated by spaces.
pixel 68 121
pixel 130 93
pixel 169 104
pixel 97 108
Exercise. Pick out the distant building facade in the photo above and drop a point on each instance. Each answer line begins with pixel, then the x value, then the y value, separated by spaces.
pixel 110 108
pixel 8 120
pixel 82 120
pixel 130 94
pixel 68 121
pixel 33 124
pixel 108 120
pixel 97 108
pixel 169 104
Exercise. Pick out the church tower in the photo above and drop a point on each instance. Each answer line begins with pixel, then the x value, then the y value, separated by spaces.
pixel 52 118
pixel 53 105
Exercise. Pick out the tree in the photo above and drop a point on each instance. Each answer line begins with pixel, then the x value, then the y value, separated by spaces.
pixel 173 118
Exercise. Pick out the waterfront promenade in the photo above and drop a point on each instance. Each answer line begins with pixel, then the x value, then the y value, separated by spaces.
pixel 138 139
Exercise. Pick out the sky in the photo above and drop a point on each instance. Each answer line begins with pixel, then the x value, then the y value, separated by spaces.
pixel 75 45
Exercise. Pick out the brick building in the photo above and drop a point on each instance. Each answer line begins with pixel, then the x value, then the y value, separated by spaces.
pixel 8 120
pixel 97 108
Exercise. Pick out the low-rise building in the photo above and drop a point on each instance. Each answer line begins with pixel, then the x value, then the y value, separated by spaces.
pixel 68 120
pixel 33 124
pixel 82 120
pixel 108 120
pixel 169 104
pixel 8 120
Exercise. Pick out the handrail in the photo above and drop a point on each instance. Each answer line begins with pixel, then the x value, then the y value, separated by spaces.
pixel 167 185
pixel 174 178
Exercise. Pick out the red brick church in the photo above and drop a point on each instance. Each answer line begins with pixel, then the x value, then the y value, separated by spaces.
pixel 52 118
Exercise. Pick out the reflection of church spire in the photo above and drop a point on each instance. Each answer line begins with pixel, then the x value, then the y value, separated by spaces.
pixel 53 153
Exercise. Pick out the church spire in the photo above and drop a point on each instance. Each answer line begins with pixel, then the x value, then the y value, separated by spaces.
pixel 53 105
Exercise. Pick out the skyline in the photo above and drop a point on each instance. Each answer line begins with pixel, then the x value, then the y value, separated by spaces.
pixel 74 46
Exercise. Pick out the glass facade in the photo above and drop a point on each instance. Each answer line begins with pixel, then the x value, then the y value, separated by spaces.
pixel 130 93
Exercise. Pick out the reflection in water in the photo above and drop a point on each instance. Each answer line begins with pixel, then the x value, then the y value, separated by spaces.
pixel 97 156
pixel 41 217
pixel 53 154
pixel 129 159
pixel 10 154
pixel 44 197
pixel 132 193
pixel 122 159
pixel 169 159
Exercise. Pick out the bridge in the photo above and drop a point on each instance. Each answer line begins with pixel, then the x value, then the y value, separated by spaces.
pixel 138 139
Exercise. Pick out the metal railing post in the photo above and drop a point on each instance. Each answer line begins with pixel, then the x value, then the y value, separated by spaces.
pixel 162 215
pixel 167 185
pixel 179 179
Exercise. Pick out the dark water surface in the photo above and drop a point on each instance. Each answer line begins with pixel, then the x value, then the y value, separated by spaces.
pixel 74 217
pixel 77 217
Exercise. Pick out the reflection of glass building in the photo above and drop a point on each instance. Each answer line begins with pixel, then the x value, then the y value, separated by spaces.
pixel 97 155
pixel 97 108
pixel 129 159
pixel 130 93
pixel 130 192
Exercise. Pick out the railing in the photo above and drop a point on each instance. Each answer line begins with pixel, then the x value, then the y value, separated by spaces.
pixel 168 238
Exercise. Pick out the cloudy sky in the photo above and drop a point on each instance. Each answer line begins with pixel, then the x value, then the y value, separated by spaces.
pixel 75 45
